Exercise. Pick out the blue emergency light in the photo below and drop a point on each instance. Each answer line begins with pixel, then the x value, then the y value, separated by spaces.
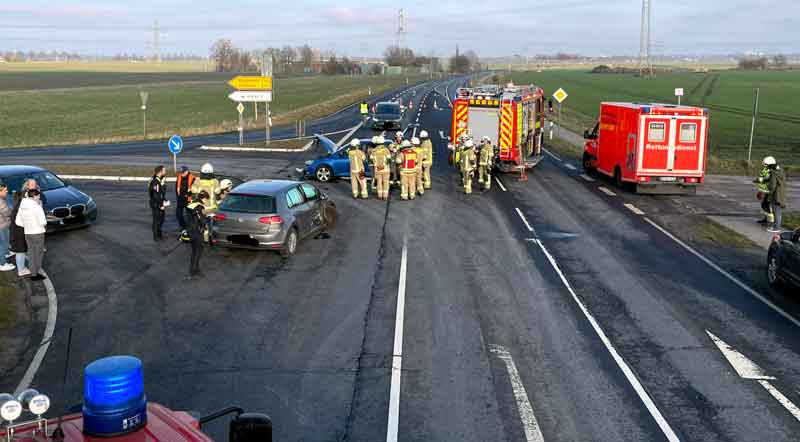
pixel 114 402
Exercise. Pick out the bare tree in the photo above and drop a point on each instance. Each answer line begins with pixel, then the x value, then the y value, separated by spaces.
pixel 223 54
pixel 306 56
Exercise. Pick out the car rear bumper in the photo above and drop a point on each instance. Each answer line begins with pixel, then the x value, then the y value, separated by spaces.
pixel 383 124
pixel 240 240
pixel 666 188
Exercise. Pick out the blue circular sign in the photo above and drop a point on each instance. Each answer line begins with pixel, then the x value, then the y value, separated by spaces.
pixel 175 144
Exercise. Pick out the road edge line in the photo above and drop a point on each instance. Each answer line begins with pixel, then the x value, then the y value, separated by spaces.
pixel 47 337
pixel 393 420
pixel 530 425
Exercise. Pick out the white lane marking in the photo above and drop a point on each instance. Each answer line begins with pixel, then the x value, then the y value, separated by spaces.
pixel 744 367
pixel 49 329
pixel 348 134
pixel 634 209
pixel 724 273
pixel 397 355
pixel 551 154
pixel 530 425
pixel 500 183
pixel 606 191
pixel 787 404
pixel 527 224
pixel 570 166
pixel 626 370
pixel 587 178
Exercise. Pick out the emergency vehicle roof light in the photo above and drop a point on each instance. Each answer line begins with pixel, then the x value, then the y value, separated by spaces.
pixel 646 109
pixel 114 402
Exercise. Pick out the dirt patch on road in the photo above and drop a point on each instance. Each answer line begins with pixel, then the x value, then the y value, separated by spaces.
pixel 19 323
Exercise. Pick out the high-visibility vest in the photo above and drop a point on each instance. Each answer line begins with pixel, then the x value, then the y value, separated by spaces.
pixel 364 108
pixel 409 160
pixel 189 181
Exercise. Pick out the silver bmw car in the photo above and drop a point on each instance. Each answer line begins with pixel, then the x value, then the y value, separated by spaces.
pixel 272 215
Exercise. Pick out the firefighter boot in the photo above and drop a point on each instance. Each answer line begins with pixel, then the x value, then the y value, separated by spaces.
pixel 468 183
pixel 487 180
pixel 404 179
pixel 412 185
pixel 362 181
pixel 427 172
pixel 419 182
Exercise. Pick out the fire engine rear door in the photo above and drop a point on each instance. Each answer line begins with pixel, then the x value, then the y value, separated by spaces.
pixel 484 122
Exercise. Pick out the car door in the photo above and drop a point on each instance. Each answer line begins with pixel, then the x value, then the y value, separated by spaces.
pixel 791 258
pixel 315 206
pixel 296 203
pixel 341 163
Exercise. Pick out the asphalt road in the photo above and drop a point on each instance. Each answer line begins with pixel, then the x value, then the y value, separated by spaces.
pixel 495 346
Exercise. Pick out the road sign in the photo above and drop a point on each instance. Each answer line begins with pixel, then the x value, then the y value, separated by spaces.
pixel 144 95
pixel 240 108
pixel 251 83
pixel 175 144
pixel 251 96
pixel 678 91
pixel 560 95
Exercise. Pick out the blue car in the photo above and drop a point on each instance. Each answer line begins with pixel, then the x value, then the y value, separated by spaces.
pixel 335 164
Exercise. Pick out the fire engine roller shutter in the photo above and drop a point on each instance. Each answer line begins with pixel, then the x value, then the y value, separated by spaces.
pixel 460 116
pixel 506 129
pixel 484 121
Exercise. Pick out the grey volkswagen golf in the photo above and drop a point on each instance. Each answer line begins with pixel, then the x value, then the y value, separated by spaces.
pixel 272 215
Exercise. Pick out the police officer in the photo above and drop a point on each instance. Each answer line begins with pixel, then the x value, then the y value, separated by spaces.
pixel 420 159
pixel 208 182
pixel 485 160
pixel 381 158
pixel 427 162
pixel 468 165
pixel 364 111
pixel 407 159
pixel 195 226
pixel 357 176
pixel 762 183
pixel 158 200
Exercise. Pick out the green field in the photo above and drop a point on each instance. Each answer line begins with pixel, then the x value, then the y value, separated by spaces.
pixel 728 95
pixel 91 107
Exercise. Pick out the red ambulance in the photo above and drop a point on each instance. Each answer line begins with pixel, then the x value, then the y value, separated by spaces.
pixel 657 148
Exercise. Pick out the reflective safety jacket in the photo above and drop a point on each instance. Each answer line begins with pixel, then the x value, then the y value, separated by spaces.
pixel 210 185
pixel 195 215
pixel 486 155
pixel 186 182
pixel 381 158
pixel 468 159
pixel 762 182
pixel 421 155
pixel 364 109
pixel 357 158
pixel 428 146
pixel 407 159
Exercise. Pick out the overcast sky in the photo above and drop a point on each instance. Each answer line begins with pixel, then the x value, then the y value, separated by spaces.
pixel 358 28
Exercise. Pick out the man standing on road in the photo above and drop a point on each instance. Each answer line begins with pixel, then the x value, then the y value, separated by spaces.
pixel 420 159
pixel 158 200
pixel 364 111
pixel 427 162
pixel 5 224
pixel 407 159
pixel 762 183
pixel 486 157
pixel 468 165
pixel 357 176
pixel 394 149
pixel 370 149
pixel 777 192
pixel 208 182
pixel 195 225
pixel 183 188
pixel 32 219
pixel 381 157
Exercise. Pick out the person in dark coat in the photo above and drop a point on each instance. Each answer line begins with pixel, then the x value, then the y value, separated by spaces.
pixel 157 191
pixel 777 191
pixel 195 225
pixel 17 243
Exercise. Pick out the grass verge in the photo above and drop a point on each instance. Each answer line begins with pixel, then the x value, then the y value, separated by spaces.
pixel 791 220
pixel 710 231
pixel 564 148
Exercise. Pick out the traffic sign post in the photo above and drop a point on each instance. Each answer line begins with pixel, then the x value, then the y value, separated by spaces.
pixel 560 95
pixel 144 96
pixel 679 94
pixel 240 108
pixel 175 145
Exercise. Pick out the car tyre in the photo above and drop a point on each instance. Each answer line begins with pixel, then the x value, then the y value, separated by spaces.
pixel 324 174
pixel 618 178
pixel 587 163
pixel 772 271
pixel 290 243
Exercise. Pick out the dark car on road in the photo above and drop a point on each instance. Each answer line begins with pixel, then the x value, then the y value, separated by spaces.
pixel 272 215
pixel 388 115
pixel 65 206
pixel 783 259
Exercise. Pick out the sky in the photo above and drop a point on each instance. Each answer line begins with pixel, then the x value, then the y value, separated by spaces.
pixel 359 28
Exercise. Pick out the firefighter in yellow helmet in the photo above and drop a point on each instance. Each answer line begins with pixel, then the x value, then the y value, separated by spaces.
pixel 468 165
pixel 485 162
pixel 208 182
pixel 415 143
pixel 427 162
pixel 358 177
pixel 381 158
pixel 407 159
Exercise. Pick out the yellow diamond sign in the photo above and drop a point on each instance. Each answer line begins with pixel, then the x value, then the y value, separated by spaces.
pixel 251 83
pixel 560 95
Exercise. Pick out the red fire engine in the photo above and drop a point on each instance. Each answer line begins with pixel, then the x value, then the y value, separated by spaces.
pixel 115 409
pixel 658 148
pixel 511 116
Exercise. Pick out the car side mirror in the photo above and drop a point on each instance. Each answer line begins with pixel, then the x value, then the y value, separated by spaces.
pixel 250 427
pixel 67 182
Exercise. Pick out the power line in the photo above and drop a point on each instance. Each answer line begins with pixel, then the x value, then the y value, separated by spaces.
pixel 645 67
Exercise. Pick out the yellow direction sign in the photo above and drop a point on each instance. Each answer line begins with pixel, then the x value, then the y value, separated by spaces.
pixel 249 83
pixel 560 95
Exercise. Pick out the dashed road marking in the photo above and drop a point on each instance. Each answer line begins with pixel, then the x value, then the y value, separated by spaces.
pixel 397 355
pixel 570 166
pixel 527 224
pixel 530 425
pixel 500 183
pixel 587 178
pixel 606 191
pixel 551 154
pixel 666 429
pixel 634 209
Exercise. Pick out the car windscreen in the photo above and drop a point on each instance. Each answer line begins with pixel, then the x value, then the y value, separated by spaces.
pixel 45 180
pixel 248 203
pixel 388 109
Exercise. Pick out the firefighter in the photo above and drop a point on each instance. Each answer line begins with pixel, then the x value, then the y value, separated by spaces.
pixel 208 182
pixel 407 159
pixel 370 149
pixel 427 162
pixel 777 192
pixel 225 187
pixel 196 226
pixel 157 191
pixel 420 159
pixel 364 111
pixel 183 186
pixel 468 165
pixel 485 160
pixel 762 183
pixel 381 157
pixel 357 176
pixel 394 149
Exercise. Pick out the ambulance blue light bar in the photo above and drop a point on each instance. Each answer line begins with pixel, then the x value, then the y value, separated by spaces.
pixel 114 402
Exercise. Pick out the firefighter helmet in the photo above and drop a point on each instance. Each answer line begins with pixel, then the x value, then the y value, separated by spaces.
pixel 374 140
pixel 469 143
pixel 226 184
pixel 423 134
pixel 207 168
pixel 770 161
pixel 405 144
pixel 398 134
pixel 355 143
pixel 380 140
pixel 415 141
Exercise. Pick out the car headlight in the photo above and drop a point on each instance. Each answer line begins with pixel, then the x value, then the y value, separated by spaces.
pixel 309 162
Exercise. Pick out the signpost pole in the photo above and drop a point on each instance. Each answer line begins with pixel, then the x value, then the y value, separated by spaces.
pixel 266 71
pixel 241 130
pixel 144 96
pixel 679 100
pixel 174 164
pixel 558 130
pixel 753 126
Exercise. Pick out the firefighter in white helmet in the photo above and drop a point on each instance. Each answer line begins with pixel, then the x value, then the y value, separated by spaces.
pixel 208 182
pixel 394 148
pixel 381 157
pixel 427 162
pixel 373 144
pixel 225 187
pixel 407 160
pixel 358 177
pixel 763 195
pixel 415 143
pixel 468 165
pixel 485 162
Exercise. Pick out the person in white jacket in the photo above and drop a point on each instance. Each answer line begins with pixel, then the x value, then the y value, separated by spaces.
pixel 31 217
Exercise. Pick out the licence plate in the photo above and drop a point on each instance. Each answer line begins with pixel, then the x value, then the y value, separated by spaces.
pixel 670 179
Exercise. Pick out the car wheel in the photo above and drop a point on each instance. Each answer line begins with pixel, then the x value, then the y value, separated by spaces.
pixel 587 163
pixel 772 271
pixel 290 244
pixel 618 178
pixel 324 174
